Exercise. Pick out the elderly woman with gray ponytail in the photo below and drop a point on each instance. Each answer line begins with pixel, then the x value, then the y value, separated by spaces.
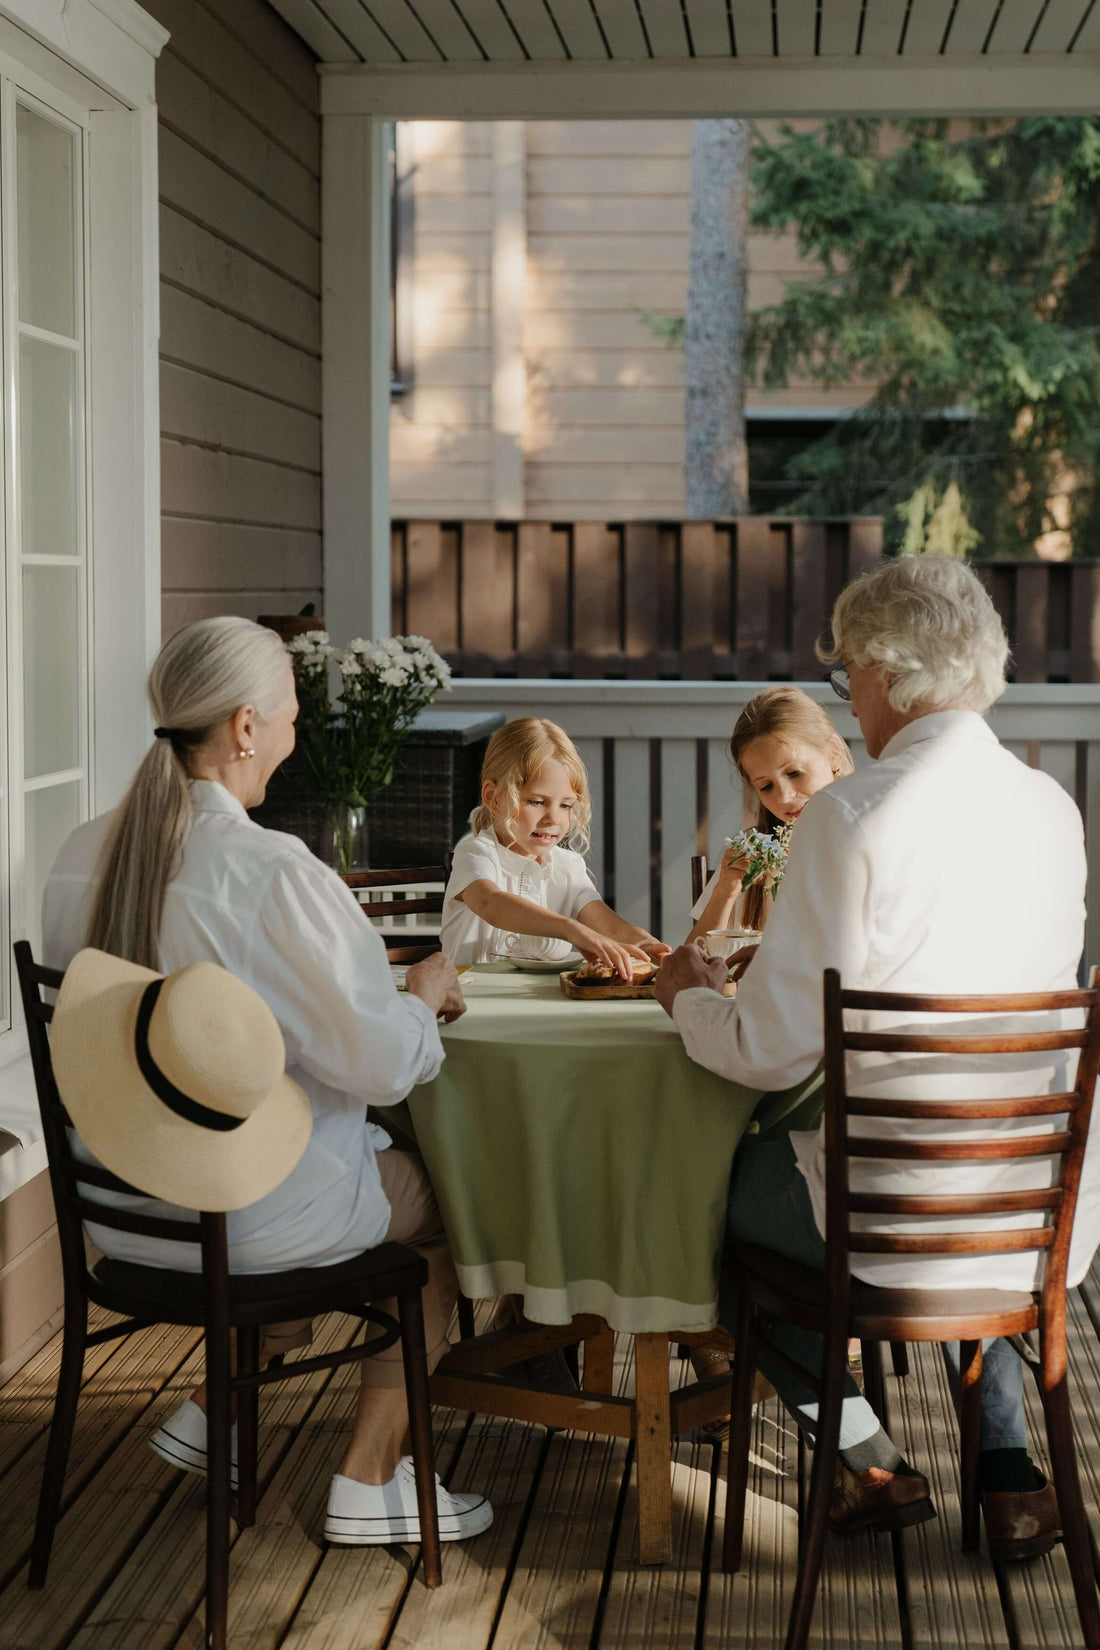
pixel 179 874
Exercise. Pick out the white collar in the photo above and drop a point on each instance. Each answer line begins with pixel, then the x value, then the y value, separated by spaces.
pixel 518 864
pixel 210 797
pixel 939 724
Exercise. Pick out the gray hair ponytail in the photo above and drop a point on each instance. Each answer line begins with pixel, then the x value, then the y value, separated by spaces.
pixel 200 677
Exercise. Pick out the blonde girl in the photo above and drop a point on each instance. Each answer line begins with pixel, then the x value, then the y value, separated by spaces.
pixel 785 749
pixel 518 885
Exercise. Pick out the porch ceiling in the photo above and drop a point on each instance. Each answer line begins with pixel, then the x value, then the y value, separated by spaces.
pixel 673 32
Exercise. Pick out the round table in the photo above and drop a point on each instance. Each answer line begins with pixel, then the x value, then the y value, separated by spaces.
pixel 581 1160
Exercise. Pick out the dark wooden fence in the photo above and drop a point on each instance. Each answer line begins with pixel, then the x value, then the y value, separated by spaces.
pixel 690 600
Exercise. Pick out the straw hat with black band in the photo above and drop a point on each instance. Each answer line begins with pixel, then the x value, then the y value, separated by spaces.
pixel 177 1084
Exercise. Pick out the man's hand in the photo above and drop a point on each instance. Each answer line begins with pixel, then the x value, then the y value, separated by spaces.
pixel 687 967
pixel 435 982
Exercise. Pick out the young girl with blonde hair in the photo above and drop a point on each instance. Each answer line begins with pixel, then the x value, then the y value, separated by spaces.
pixel 518 886
pixel 785 749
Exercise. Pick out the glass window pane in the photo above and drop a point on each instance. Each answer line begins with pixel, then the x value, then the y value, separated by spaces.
pixel 49 429
pixel 53 669
pixel 50 815
pixel 45 168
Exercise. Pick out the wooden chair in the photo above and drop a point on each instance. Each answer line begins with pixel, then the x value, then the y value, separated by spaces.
pixel 838 1306
pixel 219 1302
pixel 699 875
pixel 400 950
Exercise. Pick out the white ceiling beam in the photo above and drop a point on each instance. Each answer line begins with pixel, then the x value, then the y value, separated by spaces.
pixel 894 87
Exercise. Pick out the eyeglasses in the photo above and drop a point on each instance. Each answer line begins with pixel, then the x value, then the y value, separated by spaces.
pixel 838 681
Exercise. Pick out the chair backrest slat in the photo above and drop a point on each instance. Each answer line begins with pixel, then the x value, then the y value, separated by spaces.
pixel 952 1243
pixel 403 878
pixel 963 1151
pixel 931 1117
pixel 1030 1105
pixel 126 1220
pixel 1014 1002
pixel 942 1203
pixel 91 1174
pixel 699 875
pixel 914 1042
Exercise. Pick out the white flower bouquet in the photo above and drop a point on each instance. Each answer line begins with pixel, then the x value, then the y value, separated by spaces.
pixel 348 749
pixel 765 851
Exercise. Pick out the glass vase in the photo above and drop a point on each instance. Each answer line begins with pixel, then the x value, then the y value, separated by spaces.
pixel 344 843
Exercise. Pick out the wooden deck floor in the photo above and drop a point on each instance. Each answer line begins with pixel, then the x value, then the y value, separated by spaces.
pixel 556 1569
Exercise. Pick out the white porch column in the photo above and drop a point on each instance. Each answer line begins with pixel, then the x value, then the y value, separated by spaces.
pixel 355 340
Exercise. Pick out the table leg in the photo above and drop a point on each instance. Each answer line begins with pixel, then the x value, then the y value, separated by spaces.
pixel 599 1362
pixel 654 1440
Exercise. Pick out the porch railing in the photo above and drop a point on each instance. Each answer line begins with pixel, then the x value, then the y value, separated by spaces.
pixel 662 787
pixel 694 600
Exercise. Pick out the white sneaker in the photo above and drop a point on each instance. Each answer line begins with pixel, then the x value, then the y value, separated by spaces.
pixel 377 1515
pixel 181 1441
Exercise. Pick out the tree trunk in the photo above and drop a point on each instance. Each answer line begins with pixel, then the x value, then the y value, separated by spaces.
pixel 716 460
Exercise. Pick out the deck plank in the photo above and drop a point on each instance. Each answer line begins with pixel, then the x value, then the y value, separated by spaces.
pixel 127 1490
pixel 503 1460
pixel 660 1605
pixel 161 1585
pixel 558 1569
pixel 554 1597
pixel 28 1397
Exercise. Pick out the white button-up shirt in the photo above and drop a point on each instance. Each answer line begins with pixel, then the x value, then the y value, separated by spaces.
pixel 561 884
pixel 262 906
pixel 945 867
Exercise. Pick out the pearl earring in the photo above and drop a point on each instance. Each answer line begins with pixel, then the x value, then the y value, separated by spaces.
pixel 241 754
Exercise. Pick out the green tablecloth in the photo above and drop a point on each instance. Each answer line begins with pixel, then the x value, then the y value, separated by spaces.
pixel 580 1159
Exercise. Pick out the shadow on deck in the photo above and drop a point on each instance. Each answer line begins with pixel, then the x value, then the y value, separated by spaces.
pixel 557 1569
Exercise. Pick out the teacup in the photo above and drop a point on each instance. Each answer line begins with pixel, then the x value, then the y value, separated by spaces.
pixel 726 942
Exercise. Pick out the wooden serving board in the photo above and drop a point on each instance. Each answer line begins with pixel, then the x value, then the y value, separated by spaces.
pixel 600 993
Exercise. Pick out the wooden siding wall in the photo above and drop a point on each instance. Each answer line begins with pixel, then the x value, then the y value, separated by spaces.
pixel 240 203
pixel 605 228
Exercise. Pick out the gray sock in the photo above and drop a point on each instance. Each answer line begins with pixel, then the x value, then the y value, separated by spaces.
pixel 876 1451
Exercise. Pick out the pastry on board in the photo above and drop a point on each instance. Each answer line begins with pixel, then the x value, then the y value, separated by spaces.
pixel 601 973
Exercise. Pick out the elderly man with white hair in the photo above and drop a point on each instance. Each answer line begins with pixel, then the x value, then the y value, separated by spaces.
pixel 945 866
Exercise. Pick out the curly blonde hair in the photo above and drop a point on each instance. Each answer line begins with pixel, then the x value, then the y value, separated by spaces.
pixel 517 752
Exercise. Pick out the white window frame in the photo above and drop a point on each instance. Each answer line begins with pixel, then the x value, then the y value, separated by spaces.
pixel 91 63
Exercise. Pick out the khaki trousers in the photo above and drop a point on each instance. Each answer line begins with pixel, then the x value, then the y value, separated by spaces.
pixel 414 1219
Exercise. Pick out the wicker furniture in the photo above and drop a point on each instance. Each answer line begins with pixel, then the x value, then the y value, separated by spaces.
pixel 838 1306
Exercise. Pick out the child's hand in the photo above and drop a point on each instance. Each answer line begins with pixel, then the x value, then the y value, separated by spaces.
pixel 731 874
pixel 598 948
pixel 655 949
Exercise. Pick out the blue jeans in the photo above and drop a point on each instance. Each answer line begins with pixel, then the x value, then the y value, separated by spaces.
pixel 769 1203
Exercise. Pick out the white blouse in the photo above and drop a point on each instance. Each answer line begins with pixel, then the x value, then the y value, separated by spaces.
pixel 262 906
pixel 947 866
pixel 562 885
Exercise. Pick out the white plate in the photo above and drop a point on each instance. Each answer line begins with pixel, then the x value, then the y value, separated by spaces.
pixel 545 965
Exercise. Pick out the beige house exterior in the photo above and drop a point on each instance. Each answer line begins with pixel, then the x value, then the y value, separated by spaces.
pixel 527 257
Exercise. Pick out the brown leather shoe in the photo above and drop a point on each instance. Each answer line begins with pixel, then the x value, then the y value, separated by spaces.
pixel 863 1502
pixel 1021 1524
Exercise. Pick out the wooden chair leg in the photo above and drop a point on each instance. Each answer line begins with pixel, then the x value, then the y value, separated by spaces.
pixel 740 1436
pixel 826 1449
pixel 874 1386
pixel 466 1326
pixel 414 1353
pixel 1067 1485
pixel 970 1431
pixel 248 1358
pixel 61 1437
pixel 899 1357
pixel 217 1487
